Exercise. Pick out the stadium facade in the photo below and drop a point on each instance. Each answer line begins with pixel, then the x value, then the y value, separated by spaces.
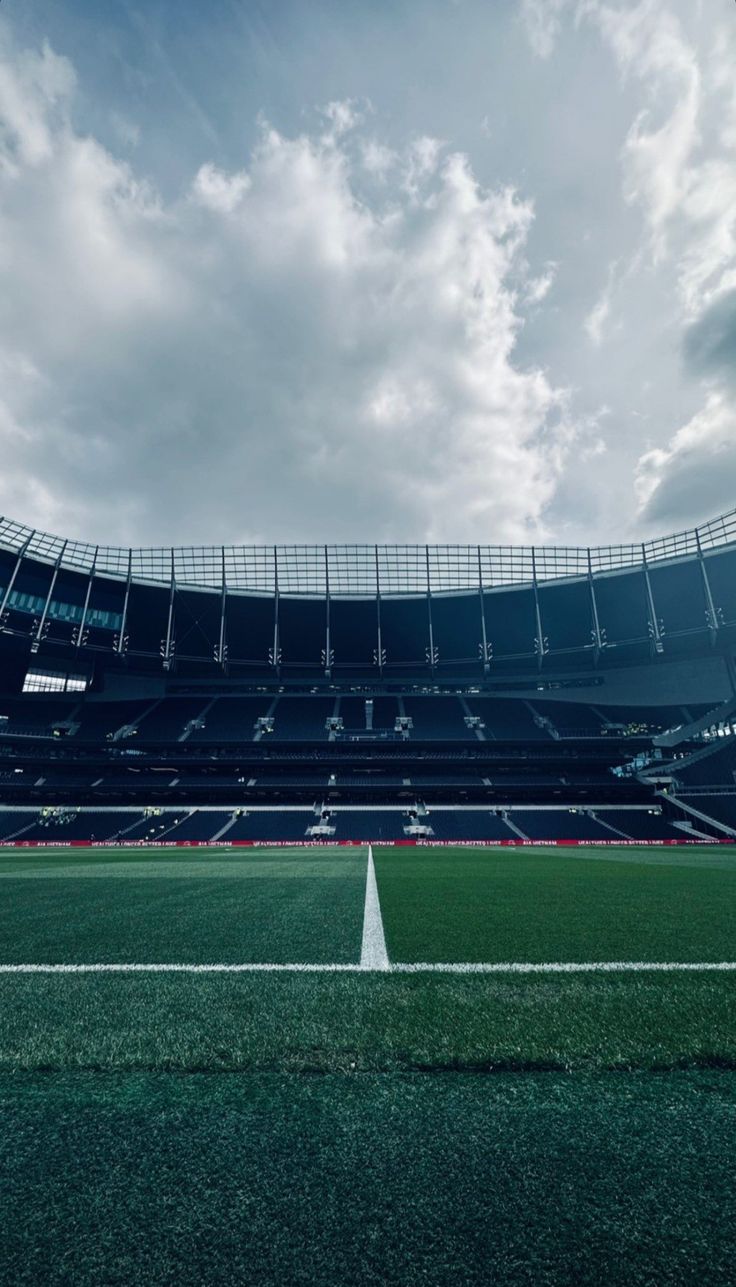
pixel 367 692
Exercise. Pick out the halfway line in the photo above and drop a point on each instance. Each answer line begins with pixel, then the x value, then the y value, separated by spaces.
pixel 397 967
pixel 373 954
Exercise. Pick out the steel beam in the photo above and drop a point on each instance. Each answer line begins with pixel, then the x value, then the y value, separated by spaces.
pixel 379 640
pixel 598 639
pixel 169 641
pixel 483 635
pixel 39 632
pixel 711 612
pixel 433 656
pixel 276 658
pixel 654 627
pixel 221 656
pixel 121 637
pixel 328 651
pixel 14 574
pixel 88 595
pixel 541 642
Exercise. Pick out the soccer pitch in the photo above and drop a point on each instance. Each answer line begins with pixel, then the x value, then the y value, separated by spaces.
pixel 167 1009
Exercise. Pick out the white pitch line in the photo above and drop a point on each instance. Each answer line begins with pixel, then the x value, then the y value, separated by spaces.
pixel 396 967
pixel 373 954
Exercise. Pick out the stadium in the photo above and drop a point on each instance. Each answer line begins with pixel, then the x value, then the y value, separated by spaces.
pixel 355 693
pixel 393 815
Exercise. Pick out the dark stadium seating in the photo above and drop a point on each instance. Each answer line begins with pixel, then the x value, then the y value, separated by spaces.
pixel 15 824
pixel 302 718
pixel 468 824
pixel 352 713
pixel 558 824
pixel 34 712
pixel 281 825
pixel 61 828
pixel 232 719
pixel 385 712
pixel 506 719
pixel 720 805
pixel 570 718
pixel 100 720
pixel 639 824
pixel 369 824
pixel 654 719
pixel 718 768
pixel 168 720
pixel 436 718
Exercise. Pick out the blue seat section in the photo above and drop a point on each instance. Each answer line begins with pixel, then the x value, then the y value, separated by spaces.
pixel 570 718
pixel 717 769
pixel 264 826
pixel 507 719
pixel 35 713
pixel 649 719
pixel 721 806
pixel 302 719
pixel 558 824
pixel 436 718
pixel 369 824
pixel 352 713
pixel 640 824
pixel 168 720
pixel 11 822
pixel 232 719
pixel 468 824
pixel 385 712
pixel 59 826
pixel 202 824
pixel 100 720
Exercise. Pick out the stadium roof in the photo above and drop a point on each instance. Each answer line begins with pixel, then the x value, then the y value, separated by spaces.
pixel 357 570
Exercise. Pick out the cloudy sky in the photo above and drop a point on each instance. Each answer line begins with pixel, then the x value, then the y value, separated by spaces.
pixel 455 270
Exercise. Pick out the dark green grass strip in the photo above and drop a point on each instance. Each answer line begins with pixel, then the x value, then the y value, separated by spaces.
pixel 328 1023
pixel 280 909
pixel 554 905
pixel 146 1179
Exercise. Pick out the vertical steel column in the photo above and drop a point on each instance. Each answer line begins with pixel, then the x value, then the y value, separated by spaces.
pixel 16 570
pixel 654 630
pixel 39 632
pixel 537 612
pixel 483 636
pixel 121 637
pixel 168 642
pixel 711 613
pixel 88 595
pixel 276 658
pixel 597 635
pixel 221 655
pixel 328 651
pixel 432 656
pixel 379 649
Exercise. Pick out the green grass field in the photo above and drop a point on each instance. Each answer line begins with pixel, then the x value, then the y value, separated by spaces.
pixel 465 1127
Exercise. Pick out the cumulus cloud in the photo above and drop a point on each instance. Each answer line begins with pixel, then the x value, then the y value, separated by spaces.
pixel 696 471
pixel 678 157
pixel 271 356
pixel 710 343
pixel 678 170
pixel 542 19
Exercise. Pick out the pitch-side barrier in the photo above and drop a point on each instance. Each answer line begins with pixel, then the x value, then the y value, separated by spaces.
pixel 382 844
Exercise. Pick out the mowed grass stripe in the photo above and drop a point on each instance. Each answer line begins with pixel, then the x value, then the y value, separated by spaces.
pixel 271 1180
pixel 360 1021
pixel 189 914
pixel 538 906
